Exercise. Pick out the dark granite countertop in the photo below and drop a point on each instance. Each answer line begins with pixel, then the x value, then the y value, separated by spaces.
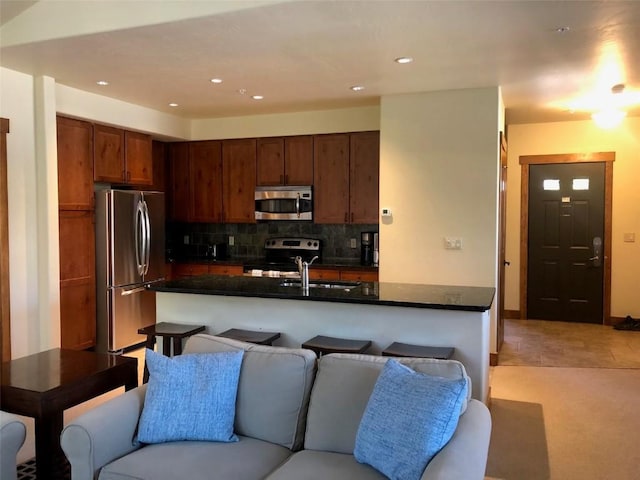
pixel 327 262
pixel 476 299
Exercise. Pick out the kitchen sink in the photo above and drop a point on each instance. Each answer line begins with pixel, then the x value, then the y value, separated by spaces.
pixel 336 285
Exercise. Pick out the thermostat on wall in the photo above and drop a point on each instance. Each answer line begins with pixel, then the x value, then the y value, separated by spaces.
pixel 386 212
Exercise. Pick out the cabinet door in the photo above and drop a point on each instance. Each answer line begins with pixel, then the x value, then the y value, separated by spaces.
pixel 77 279
pixel 75 164
pixel 138 158
pixel 179 203
pixel 364 167
pixel 182 270
pixel 225 269
pixel 331 178
pixel 159 157
pixel 239 172
pixel 205 170
pixel 325 273
pixel 108 154
pixel 270 161
pixel 298 160
pixel 359 275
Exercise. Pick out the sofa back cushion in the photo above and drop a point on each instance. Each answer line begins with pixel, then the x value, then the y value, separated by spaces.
pixel 273 390
pixel 342 388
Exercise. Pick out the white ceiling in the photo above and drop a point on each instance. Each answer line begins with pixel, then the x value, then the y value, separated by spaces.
pixel 304 55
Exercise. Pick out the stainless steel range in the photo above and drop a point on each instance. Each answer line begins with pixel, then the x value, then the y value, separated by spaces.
pixel 280 254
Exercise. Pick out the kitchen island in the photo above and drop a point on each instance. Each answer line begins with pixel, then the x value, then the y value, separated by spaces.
pixel 435 315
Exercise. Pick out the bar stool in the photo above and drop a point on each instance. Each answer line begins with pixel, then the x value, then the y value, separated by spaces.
pixel 170 333
pixel 397 349
pixel 251 336
pixel 323 345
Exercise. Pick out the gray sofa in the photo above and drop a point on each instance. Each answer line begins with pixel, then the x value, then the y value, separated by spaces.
pixel 12 435
pixel 294 423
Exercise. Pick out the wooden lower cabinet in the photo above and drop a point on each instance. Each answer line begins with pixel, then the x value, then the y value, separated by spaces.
pixel 337 273
pixel 182 270
pixel 319 273
pixel 359 275
pixel 226 269
pixel 77 279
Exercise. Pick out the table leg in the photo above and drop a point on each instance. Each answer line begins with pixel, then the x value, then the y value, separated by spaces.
pixel 50 460
pixel 150 343
pixel 166 346
pixel 177 346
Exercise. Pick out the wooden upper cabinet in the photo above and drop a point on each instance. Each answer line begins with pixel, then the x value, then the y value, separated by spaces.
pixel 270 161
pixel 285 160
pixel 298 160
pixel 121 157
pixel 364 173
pixel 108 154
pixel 159 154
pixel 205 172
pixel 138 159
pixel 331 178
pixel 239 180
pixel 179 182
pixel 75 164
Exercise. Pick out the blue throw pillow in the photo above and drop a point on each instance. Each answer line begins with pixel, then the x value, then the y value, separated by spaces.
pixel 190 397
pixel 410 416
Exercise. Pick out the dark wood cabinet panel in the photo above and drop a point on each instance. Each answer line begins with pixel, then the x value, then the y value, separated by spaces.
pixel 181 270
pixel 239 180
pixel 364 167
pixel 160 160
pixel 324 273
pixel 331 178
pixel 77 279
pixel 298 160
pixel 138 160
pixel 205 172
pixel 75 164
pixel 108 154
pixel 359 275
pixel 270 161
pixel 179 184
pixel 225 269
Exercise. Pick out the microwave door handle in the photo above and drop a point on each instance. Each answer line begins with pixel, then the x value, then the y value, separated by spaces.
pixel 298 205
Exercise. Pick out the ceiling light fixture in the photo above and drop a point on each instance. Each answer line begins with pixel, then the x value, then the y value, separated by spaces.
pixel 563 30
pixel 173 104
pixel 102 83
pixel 357 88
pixel 242 91
pixel 216 80
pixel 257 97
pixel 403 60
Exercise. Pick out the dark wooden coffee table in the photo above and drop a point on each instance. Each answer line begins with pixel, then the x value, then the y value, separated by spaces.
pixel 43 385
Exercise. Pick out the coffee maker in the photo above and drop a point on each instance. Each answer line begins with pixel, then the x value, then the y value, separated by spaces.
pixel 366 248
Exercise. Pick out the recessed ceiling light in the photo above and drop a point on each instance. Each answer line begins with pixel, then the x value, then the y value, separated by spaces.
pixel 173 104
pixel 403 60
pixel 257 97
pixel 216 80
pixel 102 83
pixel 357 88
pixel 563 29
pixel 242 91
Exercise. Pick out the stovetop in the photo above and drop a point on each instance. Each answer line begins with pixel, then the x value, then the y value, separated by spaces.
pixel 280 254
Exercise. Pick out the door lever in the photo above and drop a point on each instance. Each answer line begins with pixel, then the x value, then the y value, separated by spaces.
pixel 597 249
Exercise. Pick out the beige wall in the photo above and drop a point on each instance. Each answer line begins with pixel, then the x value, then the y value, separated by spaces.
pixel 581 137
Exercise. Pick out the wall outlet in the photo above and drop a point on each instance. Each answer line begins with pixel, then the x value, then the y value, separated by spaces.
pixel 186 239
pixel 353 243
pixel 453 243
pixel 232 240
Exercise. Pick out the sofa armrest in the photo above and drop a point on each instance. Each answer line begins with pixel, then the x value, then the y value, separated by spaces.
pixel 465 456
pixel 103 434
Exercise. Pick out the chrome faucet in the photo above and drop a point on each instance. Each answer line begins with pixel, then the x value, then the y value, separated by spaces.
pixel 303 270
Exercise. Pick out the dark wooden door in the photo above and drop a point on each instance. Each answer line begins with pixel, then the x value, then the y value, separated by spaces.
pixel 205 167
pixel 298 160
pixel 331 178
pixel 270 164
pixel 239 180
pixel 566 242
pixel 364 166
pixel 502 237
pixel 108 154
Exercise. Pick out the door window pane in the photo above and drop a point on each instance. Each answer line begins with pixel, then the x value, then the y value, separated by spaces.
pixel 551 184
pixel 580 184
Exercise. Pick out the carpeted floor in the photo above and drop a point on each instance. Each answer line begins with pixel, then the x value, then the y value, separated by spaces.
pixel 562 423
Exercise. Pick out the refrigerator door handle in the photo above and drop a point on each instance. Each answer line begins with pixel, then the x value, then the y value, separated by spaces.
pixel 147 230
pixel 140 240
pixel 132 291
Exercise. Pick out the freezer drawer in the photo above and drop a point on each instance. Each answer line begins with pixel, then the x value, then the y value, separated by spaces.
pixel 128 309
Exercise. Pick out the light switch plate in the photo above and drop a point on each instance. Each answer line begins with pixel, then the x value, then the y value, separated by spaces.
pixel 453 243
pixel 186 239
pixel 353 243
pixel 630 237
pixel 232 240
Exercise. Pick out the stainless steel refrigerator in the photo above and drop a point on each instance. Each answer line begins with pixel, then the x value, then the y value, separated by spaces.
pixel 129 257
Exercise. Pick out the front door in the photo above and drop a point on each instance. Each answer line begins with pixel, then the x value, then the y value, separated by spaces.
pixel 566 242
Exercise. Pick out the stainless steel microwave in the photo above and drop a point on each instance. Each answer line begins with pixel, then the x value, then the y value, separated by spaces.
pixel 284 203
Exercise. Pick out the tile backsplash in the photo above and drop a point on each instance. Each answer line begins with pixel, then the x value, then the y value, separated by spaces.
pixel 249 238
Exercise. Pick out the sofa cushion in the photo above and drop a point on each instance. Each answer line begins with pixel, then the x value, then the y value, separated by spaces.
pixel 247 459
pixel 273 391
pixel 343 385
pixel 410 416
pixel 190 397
pixel 313 465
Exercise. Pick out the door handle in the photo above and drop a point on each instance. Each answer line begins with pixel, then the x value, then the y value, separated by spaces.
pixel 597 252
pixel 126 293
